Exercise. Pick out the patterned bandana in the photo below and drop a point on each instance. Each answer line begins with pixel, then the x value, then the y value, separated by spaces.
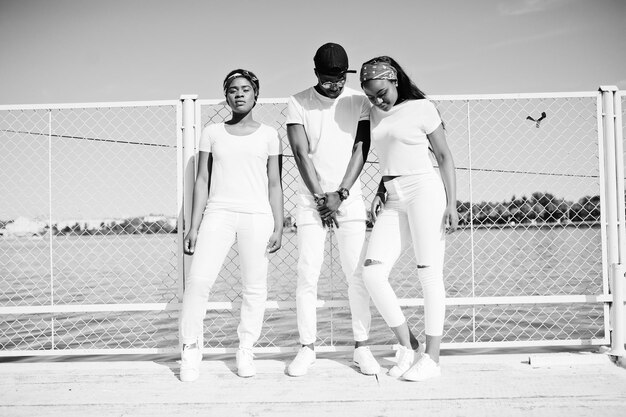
pixel 378 71
pixel 243 74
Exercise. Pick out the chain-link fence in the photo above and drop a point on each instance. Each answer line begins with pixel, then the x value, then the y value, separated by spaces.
pixel 527 266
pixel 88 212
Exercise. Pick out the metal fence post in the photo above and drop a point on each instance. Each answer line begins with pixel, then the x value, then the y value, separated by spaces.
pixel 621 223
pixel 612 194
pixel 189 125
pixel 619 177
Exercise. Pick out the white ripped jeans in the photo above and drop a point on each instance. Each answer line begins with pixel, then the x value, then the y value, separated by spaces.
pixel 218 231
pixel 311 241
pixel 413 213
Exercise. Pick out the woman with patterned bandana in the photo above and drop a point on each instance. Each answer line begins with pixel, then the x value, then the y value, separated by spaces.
pixel 237 197
pixel 413 205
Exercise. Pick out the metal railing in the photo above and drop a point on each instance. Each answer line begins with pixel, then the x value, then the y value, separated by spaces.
pixel 109 184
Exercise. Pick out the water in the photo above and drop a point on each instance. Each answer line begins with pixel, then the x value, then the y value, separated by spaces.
pixel 143 269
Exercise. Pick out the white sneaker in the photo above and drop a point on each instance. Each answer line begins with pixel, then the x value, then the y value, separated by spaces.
pixel 425 368
pixel 245 363
pixel 301 363
pixel 190 359
pixel 366 362
pixel 404 359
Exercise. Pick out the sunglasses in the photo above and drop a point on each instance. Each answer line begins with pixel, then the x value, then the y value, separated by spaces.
pixel 329 84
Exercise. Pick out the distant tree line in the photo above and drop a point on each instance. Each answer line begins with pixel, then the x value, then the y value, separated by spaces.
pixel 540 208
pixel 131 226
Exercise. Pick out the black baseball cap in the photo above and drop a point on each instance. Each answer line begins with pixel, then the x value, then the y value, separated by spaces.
pixel 331 59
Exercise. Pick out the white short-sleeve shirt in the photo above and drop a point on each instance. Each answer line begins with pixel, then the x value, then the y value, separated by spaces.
pixel 330 126
pixel 239 179
pixel 400 136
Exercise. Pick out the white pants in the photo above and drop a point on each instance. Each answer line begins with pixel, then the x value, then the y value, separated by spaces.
pixel 311 241
pixel 413 213
pixel 217 233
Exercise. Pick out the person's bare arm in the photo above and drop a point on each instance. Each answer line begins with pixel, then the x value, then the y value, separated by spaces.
pixel 300 146
pixel 359 154
pixel 446 166
pixel 379 200
pixel 274 169
pixel 200 196
pixel 355 166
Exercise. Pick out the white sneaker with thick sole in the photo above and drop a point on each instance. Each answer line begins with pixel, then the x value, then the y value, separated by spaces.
pixel 245 363
pixel 425 368
pixel 190 359
pixel 366 362
pixel 301 363
pixel 404 359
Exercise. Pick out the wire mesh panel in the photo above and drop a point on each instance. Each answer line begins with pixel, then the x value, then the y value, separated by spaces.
pixel 529 201
pixel 88 215
pixel 24 208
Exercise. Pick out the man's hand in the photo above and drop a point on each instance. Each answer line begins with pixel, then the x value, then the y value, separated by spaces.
pixel 327 207
pixel 330 205
pixel 331 221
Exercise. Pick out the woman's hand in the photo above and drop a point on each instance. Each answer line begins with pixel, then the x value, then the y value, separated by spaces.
pixel 378 203
pixel 451 219
pixel 189 243
pixel 275 242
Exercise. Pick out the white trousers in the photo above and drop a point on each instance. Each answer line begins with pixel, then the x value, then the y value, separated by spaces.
pixel 217 233
pixel 311 242
pixel 413 214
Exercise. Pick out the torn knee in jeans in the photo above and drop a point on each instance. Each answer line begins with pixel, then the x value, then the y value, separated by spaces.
pixel 423 266
pixel 369 262
pixel 375 273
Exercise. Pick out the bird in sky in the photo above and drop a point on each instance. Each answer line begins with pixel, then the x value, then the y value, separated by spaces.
pixel 538 121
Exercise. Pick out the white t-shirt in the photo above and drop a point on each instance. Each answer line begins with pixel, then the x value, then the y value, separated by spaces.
pixel 399 136
pixel 330 126
pixel 239 173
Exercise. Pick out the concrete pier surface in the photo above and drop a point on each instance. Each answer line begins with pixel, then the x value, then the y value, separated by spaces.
pixel 544 384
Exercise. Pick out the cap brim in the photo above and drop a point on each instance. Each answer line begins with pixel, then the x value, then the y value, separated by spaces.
pixel 335 72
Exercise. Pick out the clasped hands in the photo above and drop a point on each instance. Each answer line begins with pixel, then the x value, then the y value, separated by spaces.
pixel 328 208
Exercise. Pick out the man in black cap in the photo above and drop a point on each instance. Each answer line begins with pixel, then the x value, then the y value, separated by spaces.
pixel 329 133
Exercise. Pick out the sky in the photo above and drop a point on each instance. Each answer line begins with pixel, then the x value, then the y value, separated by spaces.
pixel 67 51
pixel 62 51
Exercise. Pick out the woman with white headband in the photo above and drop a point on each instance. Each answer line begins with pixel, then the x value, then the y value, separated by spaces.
pixel 413 205
pixel 237 196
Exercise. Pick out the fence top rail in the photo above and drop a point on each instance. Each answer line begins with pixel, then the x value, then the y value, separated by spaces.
pixel 94 105
pixel 448 97
pixel 156 103
pixel 575 94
